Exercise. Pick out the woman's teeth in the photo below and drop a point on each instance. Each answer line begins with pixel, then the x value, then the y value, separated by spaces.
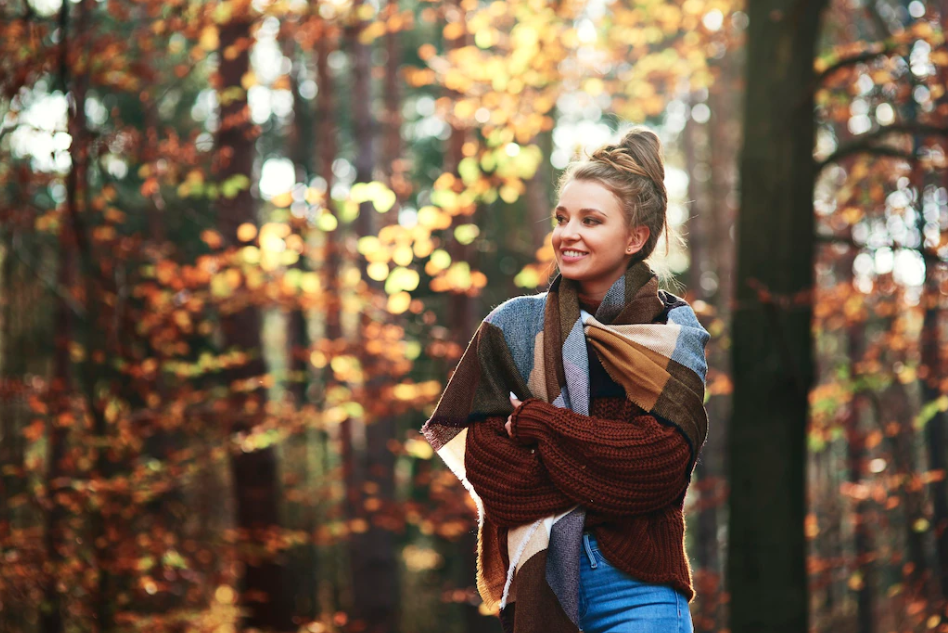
pixel 574 253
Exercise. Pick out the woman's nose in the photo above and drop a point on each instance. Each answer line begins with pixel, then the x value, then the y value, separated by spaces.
pixel 569 230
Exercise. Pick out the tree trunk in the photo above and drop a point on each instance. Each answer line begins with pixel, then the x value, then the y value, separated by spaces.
pixel 303 570
pixel 51 614
pixel 931 374
pixel 772 355
pixel 332 245
pixel 300 146
pixel 255 479
pixel 392 137
pixel 370 474
pixel 895 410
pixel 703 254
pixel 856 456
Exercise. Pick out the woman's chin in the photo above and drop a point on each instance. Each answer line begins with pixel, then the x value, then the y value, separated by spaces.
pixel 573 272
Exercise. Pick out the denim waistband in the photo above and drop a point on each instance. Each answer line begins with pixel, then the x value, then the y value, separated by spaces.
pixel 590 545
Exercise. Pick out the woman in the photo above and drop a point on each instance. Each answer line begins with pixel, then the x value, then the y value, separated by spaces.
pixel 580 488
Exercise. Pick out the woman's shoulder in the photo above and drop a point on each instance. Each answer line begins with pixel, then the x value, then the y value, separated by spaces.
pixel 517 310
pixel 677 310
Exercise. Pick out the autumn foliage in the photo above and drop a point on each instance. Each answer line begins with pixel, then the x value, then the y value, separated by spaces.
pixel 244 243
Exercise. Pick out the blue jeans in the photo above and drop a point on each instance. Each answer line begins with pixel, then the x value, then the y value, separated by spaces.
pixel 611 601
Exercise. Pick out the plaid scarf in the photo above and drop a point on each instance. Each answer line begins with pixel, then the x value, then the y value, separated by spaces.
pixel 649 341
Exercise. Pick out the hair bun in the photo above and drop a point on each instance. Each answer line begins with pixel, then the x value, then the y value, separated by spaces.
pixel 644 147
pixel 620 159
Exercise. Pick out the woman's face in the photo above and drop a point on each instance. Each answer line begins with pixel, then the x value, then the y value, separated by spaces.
pixel 591 237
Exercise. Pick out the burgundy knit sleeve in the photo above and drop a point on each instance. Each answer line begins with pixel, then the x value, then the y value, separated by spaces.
pixel 621 467
pixel 509 477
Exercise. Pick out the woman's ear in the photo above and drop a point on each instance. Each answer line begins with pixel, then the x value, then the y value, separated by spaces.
pixel 638 236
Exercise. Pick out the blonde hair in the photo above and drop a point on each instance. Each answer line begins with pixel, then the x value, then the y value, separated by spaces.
pixel 634 171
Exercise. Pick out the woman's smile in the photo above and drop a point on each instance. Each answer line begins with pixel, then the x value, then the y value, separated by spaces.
pixel 571 255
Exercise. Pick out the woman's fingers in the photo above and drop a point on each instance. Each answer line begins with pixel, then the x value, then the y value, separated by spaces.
pixel 513 400
pixel 516 403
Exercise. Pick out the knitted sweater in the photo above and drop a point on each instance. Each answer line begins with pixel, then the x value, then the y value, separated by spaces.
pixel 628 469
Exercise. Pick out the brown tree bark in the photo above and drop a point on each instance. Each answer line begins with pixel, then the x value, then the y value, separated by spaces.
pixel 325 154
pixel 392 94
pixel 303 569
pixel 332 246
pixel 300 142
pixel 255 473
pixel 864 542
pixel 372 551
pixel 706 257
pixel 931 374
pixel 70 241
pixel 772 351
pixel 895 411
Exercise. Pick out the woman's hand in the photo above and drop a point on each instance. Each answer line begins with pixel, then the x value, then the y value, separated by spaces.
pixel 516 403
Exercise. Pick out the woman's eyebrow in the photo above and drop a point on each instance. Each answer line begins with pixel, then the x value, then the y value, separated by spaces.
pixel 583 210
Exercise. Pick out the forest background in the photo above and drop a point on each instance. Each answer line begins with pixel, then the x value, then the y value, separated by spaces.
pixel 244 243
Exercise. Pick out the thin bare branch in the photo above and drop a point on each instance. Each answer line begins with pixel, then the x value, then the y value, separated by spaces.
pixel 61 293
pixel 867 143
pixel 860 58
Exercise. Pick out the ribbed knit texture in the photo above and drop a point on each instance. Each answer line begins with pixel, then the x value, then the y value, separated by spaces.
pixel 628 469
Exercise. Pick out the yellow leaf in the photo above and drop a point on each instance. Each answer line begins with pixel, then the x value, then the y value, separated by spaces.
pixel 309 282
pixel 211 238
pixel 219 287
pixel 399 302
pixel 377 271
pixel 209 40
pixel 371 32
pixel 855 581
pixel 282 200
pixel 327 222
pixel 419 448
pixel 453 31
pixel 225 595
pixel 246 232
pixel 403 255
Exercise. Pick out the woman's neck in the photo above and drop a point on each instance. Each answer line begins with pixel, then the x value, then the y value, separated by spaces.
pixel 589 302
pixel 594 292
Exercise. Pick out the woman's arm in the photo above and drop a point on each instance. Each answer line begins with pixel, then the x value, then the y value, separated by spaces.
pixel 621 467
pixel 509 478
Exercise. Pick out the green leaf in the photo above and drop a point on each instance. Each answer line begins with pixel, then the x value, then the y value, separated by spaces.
pixel 234 185
pixel 929 410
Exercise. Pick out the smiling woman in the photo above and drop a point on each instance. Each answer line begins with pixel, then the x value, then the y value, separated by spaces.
pixel 576 416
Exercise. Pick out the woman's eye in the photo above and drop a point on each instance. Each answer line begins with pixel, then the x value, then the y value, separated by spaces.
pixel 587 221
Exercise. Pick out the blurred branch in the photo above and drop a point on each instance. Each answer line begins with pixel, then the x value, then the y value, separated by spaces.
pixel 866 144
pixel 830 238
pixel 861 58
pixel 61 293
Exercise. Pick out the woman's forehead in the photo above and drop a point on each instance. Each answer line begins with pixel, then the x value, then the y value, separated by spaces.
pixel 586 195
